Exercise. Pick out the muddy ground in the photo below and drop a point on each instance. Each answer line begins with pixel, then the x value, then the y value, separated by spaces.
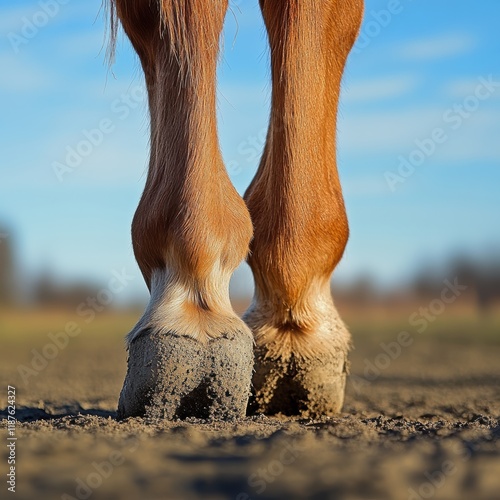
pixel 422 425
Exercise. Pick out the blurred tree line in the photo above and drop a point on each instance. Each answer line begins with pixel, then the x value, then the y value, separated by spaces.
pixel 16 289
pixel 8 276
pixel 481 276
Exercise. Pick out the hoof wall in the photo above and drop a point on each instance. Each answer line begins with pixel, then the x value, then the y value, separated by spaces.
pixel 310 388
pixel 174 377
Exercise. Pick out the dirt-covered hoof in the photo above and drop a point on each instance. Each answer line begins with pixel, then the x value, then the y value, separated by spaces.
pixel 172 377
pixel 309 387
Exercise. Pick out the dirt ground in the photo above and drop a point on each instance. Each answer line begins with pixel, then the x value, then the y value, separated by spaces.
pixel 420 421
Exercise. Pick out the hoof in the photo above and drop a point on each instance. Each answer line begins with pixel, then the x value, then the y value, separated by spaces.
pixel 176 377
pixel 309 387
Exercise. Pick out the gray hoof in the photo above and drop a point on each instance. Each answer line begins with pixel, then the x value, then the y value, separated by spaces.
pixel 176 377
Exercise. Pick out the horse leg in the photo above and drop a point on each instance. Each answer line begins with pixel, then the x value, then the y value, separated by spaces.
pixel 189 354
pixel 296 205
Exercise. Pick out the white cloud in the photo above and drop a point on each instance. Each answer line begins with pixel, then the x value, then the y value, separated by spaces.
pixel 377 89
pixel 40 15
pixel 476 141
pixel 437 47
pixel 22 74
pixel 92 43
pixel 364 186
pixel 460 89
pixel 385 132
pixel 395 133
pixel 12 17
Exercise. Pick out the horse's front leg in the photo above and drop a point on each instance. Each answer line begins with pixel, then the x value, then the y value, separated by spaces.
pixel 189 355
pixel 298 212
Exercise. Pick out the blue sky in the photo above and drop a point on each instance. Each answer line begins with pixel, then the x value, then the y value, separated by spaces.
pixel 414 71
